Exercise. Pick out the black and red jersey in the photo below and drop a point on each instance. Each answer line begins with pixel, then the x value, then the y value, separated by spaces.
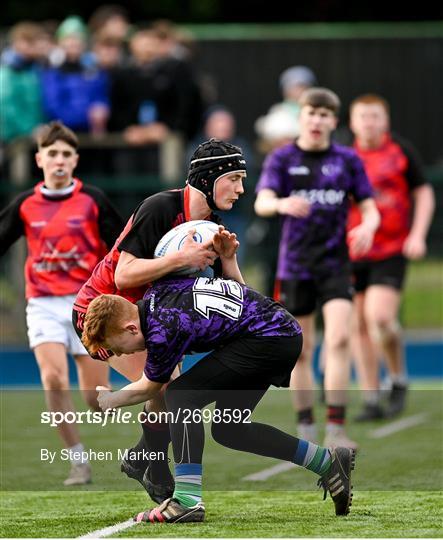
pixel 152 219
pixel 394 170
pixel 101 280
pixel 66 235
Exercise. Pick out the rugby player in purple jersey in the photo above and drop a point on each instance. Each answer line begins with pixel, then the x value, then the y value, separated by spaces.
pixel 310 182
pixel 255 342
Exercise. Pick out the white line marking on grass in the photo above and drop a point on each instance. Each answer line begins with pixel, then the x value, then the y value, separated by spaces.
pixel 399 425
pixel 385 431
pixel 271 471
pixel 107 531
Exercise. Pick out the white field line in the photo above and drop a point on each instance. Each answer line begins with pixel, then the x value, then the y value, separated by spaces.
pixel 271 471
pixel 107 531
pixel 398 425
pixel 385 431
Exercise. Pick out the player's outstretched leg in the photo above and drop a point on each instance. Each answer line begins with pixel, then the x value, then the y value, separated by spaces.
pixel 338 479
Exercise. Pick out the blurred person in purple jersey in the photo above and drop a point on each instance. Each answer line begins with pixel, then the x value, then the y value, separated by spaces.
pixel 309 183
pixel 255 342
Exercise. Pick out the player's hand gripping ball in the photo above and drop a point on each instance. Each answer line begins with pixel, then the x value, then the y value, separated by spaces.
pixel 174 239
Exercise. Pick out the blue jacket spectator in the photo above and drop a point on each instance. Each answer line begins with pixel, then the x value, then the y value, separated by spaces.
pixel 70 92
pixel 75 92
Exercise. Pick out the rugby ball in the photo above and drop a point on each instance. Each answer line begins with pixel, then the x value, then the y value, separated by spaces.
pixel 173 240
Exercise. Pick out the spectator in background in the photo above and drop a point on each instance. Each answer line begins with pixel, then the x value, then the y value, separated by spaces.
pixel 112 21
pixel 175 42
pixel 175 83
pixel 176 75
pixel 21 104
pixel 134 107
pixel 159 99
pixel 397 177
pixel 73 92
pixel 46 45
pixel 280 125
pixel 219 123
pixel 107 52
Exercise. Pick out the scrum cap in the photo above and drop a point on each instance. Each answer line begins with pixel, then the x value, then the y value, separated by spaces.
pixel 210 161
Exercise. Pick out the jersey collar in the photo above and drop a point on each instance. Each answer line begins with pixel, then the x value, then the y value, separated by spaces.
pixel 186 205
pixel 58 194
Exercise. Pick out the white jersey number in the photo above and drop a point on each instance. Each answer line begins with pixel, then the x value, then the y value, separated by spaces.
pixel 221 295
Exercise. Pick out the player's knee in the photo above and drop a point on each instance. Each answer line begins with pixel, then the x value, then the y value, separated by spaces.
pixel 53 379
pixel 339 340
pixel 384 328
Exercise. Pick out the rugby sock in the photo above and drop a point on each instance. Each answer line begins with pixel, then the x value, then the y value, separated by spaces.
pixel 156 439
pixel 305 416
pixel 188 484
pixel 312 457
pixel 336 414
pixel 398 380
pixel 76 454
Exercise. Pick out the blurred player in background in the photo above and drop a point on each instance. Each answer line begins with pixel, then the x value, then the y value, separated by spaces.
pixel 68 226
pixel 309 182
pixel 215 182
pixel 280 125
pixel 397 178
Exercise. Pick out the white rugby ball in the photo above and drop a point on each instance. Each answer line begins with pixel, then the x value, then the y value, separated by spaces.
pixel 173 240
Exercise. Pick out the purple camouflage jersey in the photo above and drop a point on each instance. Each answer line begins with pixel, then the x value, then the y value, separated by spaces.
pixel 315 246
pixel 179 316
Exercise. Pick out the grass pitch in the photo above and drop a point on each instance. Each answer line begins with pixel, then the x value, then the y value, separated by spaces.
pixel 398 481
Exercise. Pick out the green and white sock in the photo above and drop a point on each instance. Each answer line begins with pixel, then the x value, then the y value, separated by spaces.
pixel 312 457
pixel 188 484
